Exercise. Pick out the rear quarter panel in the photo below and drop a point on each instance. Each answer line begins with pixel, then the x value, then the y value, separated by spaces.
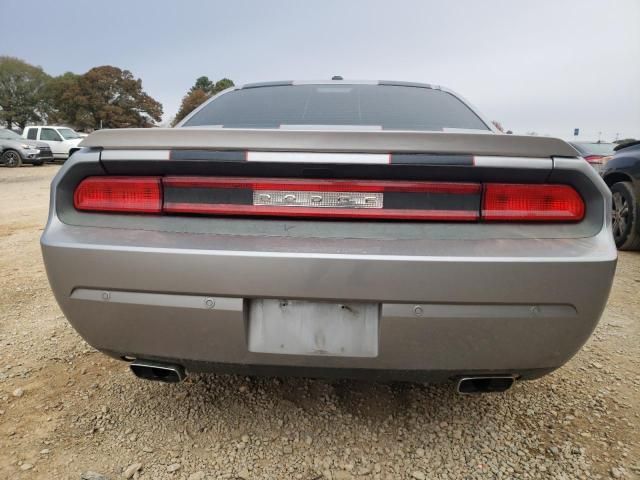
pixel 625 166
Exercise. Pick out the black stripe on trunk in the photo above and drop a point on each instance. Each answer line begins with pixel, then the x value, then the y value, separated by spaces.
pixel 432 201
pixel 240 196
pixel 392 200
pixel 430 159
pixel 216 155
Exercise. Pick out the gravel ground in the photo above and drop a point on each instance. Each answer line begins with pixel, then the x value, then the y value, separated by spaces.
pixel 67 411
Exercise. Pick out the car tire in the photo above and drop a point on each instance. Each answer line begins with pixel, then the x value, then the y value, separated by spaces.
pixel 11 159
pixel 625 216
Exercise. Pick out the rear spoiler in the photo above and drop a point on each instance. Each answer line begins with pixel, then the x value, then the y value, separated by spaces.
pixel 329 141
pixel 625 145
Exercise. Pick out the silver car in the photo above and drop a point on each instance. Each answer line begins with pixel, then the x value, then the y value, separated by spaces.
pixel 361 229
pixel 15 150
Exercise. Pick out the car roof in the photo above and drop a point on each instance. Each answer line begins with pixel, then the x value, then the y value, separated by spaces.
pixel 47 126
pixel 281 83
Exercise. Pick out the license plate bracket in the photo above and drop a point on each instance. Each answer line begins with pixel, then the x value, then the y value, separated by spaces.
pixel 298 327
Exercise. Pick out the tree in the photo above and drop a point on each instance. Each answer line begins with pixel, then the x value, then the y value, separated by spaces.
pixel 59 94
pixel 210 88
pixel 21 92
pixel 104 97
pixel 190 102
pixel 221 85
pixel 200 92
pixel 202 83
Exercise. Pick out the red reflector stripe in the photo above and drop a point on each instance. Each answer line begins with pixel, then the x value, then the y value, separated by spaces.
pixel 594 158
pixel 460 202
pixel 322 185
pixel 518 202
pixel 119 194
pixel 378 214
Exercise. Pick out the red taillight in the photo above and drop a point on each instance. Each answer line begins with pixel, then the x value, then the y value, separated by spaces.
pixel 119 194
pixel 595 158
pixel 517 202
pixel 311 198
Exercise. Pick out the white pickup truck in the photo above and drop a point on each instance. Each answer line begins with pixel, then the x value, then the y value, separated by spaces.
pixel 62 140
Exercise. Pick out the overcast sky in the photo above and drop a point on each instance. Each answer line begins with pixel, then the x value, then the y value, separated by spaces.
pixel 546 66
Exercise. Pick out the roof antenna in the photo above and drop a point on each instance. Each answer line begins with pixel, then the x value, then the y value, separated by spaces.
pixel 337 77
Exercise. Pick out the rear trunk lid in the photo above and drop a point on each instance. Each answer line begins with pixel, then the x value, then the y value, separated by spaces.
pixel 339 174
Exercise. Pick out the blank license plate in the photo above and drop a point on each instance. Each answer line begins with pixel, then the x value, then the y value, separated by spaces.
pixel 297 327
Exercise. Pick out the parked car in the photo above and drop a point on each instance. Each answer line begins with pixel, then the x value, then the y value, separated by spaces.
pixel 359 229
pixel 63 141
pixel 14 150
pixel 622 174
pixel 596 153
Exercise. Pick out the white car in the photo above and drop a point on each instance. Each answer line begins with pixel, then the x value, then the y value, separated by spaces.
pixel 62 140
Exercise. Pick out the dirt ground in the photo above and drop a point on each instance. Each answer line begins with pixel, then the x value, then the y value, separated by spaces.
pixel 67 410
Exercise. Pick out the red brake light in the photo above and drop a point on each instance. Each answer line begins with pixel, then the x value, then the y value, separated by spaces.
pixel 594 158
pixel 353 199
pixel 119 194
pixel 517 202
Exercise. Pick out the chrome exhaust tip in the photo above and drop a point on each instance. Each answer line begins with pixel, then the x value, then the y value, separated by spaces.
pixel 485 384
pixel 159 372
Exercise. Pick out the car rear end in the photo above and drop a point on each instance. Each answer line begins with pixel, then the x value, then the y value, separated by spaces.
pixel 597 154
pixel 356 252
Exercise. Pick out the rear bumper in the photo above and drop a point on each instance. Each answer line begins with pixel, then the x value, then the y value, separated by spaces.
pixel 466 306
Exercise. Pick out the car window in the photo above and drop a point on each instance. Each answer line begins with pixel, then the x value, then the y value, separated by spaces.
pixel 32 133
pixel 68 134
pixel 49 134
pixel 8 135
pixel 597 148
pixel 389 107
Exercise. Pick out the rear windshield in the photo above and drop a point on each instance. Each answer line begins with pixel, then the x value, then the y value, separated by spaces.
pixel 386 107
pixel 595 148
